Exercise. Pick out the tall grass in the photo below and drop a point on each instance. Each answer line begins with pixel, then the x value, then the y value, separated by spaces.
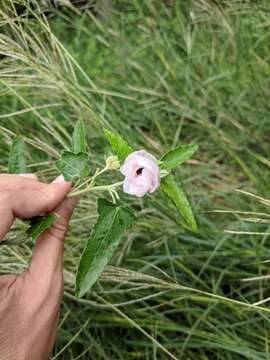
pixel 160 74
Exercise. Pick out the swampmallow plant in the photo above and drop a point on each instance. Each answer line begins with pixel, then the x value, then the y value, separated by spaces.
pixel 140 174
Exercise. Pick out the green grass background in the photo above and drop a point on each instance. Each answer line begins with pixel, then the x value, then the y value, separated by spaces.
pixel 161 74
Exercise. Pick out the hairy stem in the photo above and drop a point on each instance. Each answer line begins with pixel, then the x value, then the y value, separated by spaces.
pixel 95 188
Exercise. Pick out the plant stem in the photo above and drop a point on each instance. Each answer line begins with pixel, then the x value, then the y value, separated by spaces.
pixel 95 188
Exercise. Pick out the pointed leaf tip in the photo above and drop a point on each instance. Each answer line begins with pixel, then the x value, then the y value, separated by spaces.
pixel 178 156
pixel 178 197
pixel 38 224
pixel 17 157
pixel 79 137
pixel 119 146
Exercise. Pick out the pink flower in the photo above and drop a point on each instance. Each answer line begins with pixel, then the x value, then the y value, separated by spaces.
pixel 142 174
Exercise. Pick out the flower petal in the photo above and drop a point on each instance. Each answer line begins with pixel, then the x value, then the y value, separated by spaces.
pixel 130 188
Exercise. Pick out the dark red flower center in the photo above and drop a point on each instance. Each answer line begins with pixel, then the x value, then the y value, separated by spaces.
pixel 139 171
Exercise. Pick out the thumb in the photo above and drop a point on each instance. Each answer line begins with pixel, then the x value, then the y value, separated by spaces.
pixel 47 257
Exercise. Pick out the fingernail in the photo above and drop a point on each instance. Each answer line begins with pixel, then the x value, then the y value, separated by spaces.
pixel 58 180
pixel 28 175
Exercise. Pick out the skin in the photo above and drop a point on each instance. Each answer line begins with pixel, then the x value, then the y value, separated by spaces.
pixel 30 302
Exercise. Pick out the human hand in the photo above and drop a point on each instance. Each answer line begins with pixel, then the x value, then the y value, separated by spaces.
pixel 29 302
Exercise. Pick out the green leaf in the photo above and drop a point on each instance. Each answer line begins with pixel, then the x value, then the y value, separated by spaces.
pixel 178 155
pixel 17 158
pixel 39 224
pixel 73 166
pixel 113 220
pixel 78 138
pixel 177 195
pixel 119 146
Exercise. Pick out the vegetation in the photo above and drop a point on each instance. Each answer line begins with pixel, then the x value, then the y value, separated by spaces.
pixel 161 74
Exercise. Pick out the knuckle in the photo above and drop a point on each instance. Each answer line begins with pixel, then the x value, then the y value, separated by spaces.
pixel 60 226
pixel 59 229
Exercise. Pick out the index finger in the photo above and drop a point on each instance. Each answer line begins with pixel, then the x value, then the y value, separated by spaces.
pixel 19 182
pixel 26 203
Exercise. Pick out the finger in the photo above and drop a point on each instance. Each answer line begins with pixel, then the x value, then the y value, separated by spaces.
pixel 47 256
pixel 24 175
pixel 19 181
pixel 27 203
pixel 29 176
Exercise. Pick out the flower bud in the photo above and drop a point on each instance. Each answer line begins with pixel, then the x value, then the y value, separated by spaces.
pixel 112 163
pixel 163 173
